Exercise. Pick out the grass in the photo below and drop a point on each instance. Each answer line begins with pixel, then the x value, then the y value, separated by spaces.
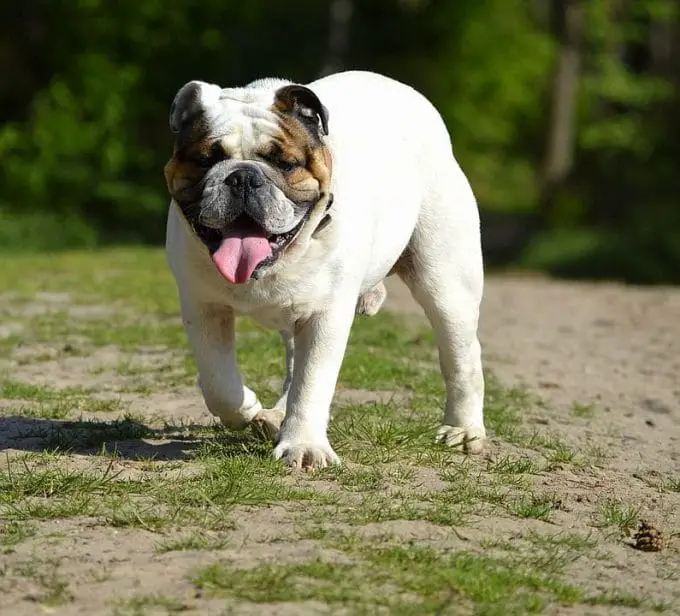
pixel 401 579
pixel 390 526
pixel 615 514
pixel 142 604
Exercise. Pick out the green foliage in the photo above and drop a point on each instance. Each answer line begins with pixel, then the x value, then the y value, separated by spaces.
pixel 88 85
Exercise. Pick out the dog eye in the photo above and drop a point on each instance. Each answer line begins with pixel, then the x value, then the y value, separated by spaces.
pixel 216 155
pixel 286 165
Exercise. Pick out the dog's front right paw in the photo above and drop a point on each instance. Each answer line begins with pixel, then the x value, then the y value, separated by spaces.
pixel 305 455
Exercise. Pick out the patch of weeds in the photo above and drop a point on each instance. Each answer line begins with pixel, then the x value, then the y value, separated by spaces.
pixel 509 465
pixel 50 403
pixel 536 506
pixel 583 410
pixel 359 479
pixel 22 480
pixel 573 541
pixel 404 579
pixel 671 484
pixel 136 515
pixel 139 606
pixel 595 454
pixel 198 541
pixel 624 517
pixel 98 405
pixel 50 509
pixel 375 357
pixel 54 588
pixel 14 532
pixel 625 600
pixel 503 409
pixel 373 434
pixel 94 434
pixel 17 390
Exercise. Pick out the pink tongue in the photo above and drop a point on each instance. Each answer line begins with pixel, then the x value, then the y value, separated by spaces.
pixel 241 251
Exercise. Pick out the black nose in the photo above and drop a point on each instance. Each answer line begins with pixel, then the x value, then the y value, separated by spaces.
pixel 242 179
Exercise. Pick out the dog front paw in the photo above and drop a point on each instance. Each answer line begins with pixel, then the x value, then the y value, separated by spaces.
pixel 266 424
pixel 471 438
pixel 306 455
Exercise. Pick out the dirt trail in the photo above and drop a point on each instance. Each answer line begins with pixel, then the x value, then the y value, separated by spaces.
pixel 605 359
pixel 609 345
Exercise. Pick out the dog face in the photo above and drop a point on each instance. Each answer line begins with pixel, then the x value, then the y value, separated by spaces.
pixel 249 165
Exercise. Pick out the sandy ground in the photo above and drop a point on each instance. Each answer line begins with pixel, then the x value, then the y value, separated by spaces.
pixel 613 347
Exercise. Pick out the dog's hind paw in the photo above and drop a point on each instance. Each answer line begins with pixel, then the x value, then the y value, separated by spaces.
pixel 266 424
pixel 472 439
pixel 370 302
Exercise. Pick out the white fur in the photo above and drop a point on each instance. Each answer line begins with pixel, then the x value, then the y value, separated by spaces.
pixel 396 184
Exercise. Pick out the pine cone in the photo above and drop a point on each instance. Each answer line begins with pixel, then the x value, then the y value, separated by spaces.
pixel 648 539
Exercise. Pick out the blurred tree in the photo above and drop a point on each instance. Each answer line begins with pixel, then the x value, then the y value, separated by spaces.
pixel 564 113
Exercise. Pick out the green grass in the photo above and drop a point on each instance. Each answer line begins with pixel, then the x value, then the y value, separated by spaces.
pixel 13 533
pixel 193 487
pixel 583 411
pixel 144 604
pixel 52 586
pixel 400 579
pixel 615 514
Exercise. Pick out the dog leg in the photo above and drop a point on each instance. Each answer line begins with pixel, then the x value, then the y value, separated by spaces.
pixel 447 282
pixel 320 344
pixel 266 423
pixel 370 302
pixel 211 334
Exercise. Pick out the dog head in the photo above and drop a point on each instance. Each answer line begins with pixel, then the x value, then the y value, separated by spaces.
pixel 248 169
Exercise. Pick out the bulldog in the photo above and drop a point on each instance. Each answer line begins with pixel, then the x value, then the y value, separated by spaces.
pixel 291 204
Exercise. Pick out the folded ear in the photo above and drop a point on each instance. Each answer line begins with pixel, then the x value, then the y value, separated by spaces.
pixel 304 105
pixel 192 99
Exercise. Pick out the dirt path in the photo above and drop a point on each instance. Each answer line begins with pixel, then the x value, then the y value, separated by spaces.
pixel 612 346
pixel 119 497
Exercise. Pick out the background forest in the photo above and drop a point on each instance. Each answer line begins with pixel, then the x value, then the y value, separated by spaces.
pixel 564 113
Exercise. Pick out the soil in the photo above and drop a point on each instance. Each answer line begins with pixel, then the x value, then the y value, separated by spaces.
pixel 613 349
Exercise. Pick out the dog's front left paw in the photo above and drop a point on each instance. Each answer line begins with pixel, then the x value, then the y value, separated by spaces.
pixel 305 455
pixel 471 438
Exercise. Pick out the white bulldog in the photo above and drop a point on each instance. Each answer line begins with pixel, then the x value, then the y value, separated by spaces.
pixel 291 204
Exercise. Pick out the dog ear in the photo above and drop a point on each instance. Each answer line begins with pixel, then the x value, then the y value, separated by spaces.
pixel 192 99
pixel 304 105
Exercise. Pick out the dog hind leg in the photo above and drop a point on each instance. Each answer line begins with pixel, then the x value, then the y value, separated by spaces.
pixel 266 423
pixel 444 271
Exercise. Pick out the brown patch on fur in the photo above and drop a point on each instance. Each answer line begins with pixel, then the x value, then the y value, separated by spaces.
pixel 300 138
pixel 176 171
pixel 296 145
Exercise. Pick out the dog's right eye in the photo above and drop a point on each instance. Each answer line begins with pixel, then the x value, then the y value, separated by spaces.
pixel 216 155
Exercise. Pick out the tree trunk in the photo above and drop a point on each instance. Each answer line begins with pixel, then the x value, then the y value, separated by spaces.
pixel 567 24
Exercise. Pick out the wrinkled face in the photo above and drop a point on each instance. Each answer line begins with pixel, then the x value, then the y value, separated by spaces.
pixel 248 167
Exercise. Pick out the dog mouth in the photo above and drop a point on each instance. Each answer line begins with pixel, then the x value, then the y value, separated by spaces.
pixel 245 250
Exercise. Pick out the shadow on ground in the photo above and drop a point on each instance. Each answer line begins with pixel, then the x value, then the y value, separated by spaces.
pixel 129 439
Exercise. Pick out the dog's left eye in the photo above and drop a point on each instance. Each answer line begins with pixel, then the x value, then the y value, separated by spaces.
pixel 277 159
